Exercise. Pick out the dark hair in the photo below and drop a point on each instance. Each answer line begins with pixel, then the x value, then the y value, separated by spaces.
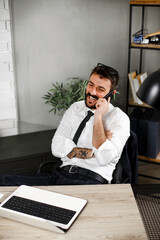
pixel 106 72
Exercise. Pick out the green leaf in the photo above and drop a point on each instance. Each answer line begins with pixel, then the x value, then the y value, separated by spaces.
pixel 61 96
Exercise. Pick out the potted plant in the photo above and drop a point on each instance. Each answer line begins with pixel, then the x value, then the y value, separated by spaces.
pixel 61 96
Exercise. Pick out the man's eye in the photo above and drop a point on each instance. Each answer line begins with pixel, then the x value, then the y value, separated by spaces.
pixel 101 89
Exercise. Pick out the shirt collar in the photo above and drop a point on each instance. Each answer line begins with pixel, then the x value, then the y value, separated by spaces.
pixel 85 109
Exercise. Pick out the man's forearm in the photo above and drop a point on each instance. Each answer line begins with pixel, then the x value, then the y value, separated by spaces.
pixel 83 153
pixel 99 136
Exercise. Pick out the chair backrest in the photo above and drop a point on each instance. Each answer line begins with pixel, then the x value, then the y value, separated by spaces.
pixel 126 170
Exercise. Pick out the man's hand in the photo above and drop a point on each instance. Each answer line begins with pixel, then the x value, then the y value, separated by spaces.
pixel 102 107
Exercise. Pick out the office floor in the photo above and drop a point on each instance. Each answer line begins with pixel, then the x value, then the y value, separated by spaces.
pixel 148 169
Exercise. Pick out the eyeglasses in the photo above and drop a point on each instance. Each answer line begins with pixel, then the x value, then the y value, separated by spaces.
pixel 109 69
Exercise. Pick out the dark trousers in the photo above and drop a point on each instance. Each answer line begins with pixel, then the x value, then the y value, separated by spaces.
pixel 57 177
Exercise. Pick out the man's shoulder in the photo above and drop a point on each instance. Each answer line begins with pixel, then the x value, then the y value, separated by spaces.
pixel 117 112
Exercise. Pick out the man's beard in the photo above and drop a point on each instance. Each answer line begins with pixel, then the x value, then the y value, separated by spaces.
pixel 88 94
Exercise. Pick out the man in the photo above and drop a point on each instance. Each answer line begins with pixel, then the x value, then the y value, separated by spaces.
pixel 96 150
pixel 90 156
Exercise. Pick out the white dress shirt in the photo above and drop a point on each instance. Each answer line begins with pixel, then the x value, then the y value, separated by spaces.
pixel 107 155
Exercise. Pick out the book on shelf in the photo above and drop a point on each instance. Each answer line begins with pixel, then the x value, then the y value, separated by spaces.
pixel 135 82
pixel 131 76
pixel 141 77
pixel 136 87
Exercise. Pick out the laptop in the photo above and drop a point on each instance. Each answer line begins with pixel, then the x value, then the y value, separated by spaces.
pixel 41 208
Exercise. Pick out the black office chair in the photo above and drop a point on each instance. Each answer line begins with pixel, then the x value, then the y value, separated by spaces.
pixel 126 170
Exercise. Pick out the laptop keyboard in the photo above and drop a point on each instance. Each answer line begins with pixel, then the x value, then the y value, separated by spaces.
pixel 38 209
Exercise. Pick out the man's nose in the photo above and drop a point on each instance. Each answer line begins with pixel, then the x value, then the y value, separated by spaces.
pixel 93 91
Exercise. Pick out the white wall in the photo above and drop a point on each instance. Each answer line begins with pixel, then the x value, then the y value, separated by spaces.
pixel 57 39
pixel 8 109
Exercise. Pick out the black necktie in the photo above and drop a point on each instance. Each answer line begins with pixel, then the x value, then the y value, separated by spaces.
pixel 81 127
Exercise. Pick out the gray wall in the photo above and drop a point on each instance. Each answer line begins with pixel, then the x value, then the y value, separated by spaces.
pixel 58 39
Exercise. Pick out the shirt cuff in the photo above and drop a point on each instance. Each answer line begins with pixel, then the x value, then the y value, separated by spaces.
pixel 63 147
pixel 68 146
pixel 105 153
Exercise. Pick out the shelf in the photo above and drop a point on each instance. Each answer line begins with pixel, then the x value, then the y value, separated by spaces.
pixel 132 103
pixel 151 46
pixel 146 46
pixel 149 3
pixel 154 160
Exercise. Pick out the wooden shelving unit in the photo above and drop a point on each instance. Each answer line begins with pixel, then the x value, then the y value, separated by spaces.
pixel 155 160
pixel 150 161
pixel 142 47
pixel 133 104
pixel 145 46
pixel 145 2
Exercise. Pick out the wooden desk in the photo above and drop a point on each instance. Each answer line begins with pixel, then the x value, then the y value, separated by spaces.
pixel 111 213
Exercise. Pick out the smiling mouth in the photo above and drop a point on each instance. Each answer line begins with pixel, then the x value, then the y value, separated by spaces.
pixel 92 98
pixel 90 101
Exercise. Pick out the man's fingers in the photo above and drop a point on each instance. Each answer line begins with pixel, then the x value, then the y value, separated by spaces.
pixel 109 99
pixel 99 102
